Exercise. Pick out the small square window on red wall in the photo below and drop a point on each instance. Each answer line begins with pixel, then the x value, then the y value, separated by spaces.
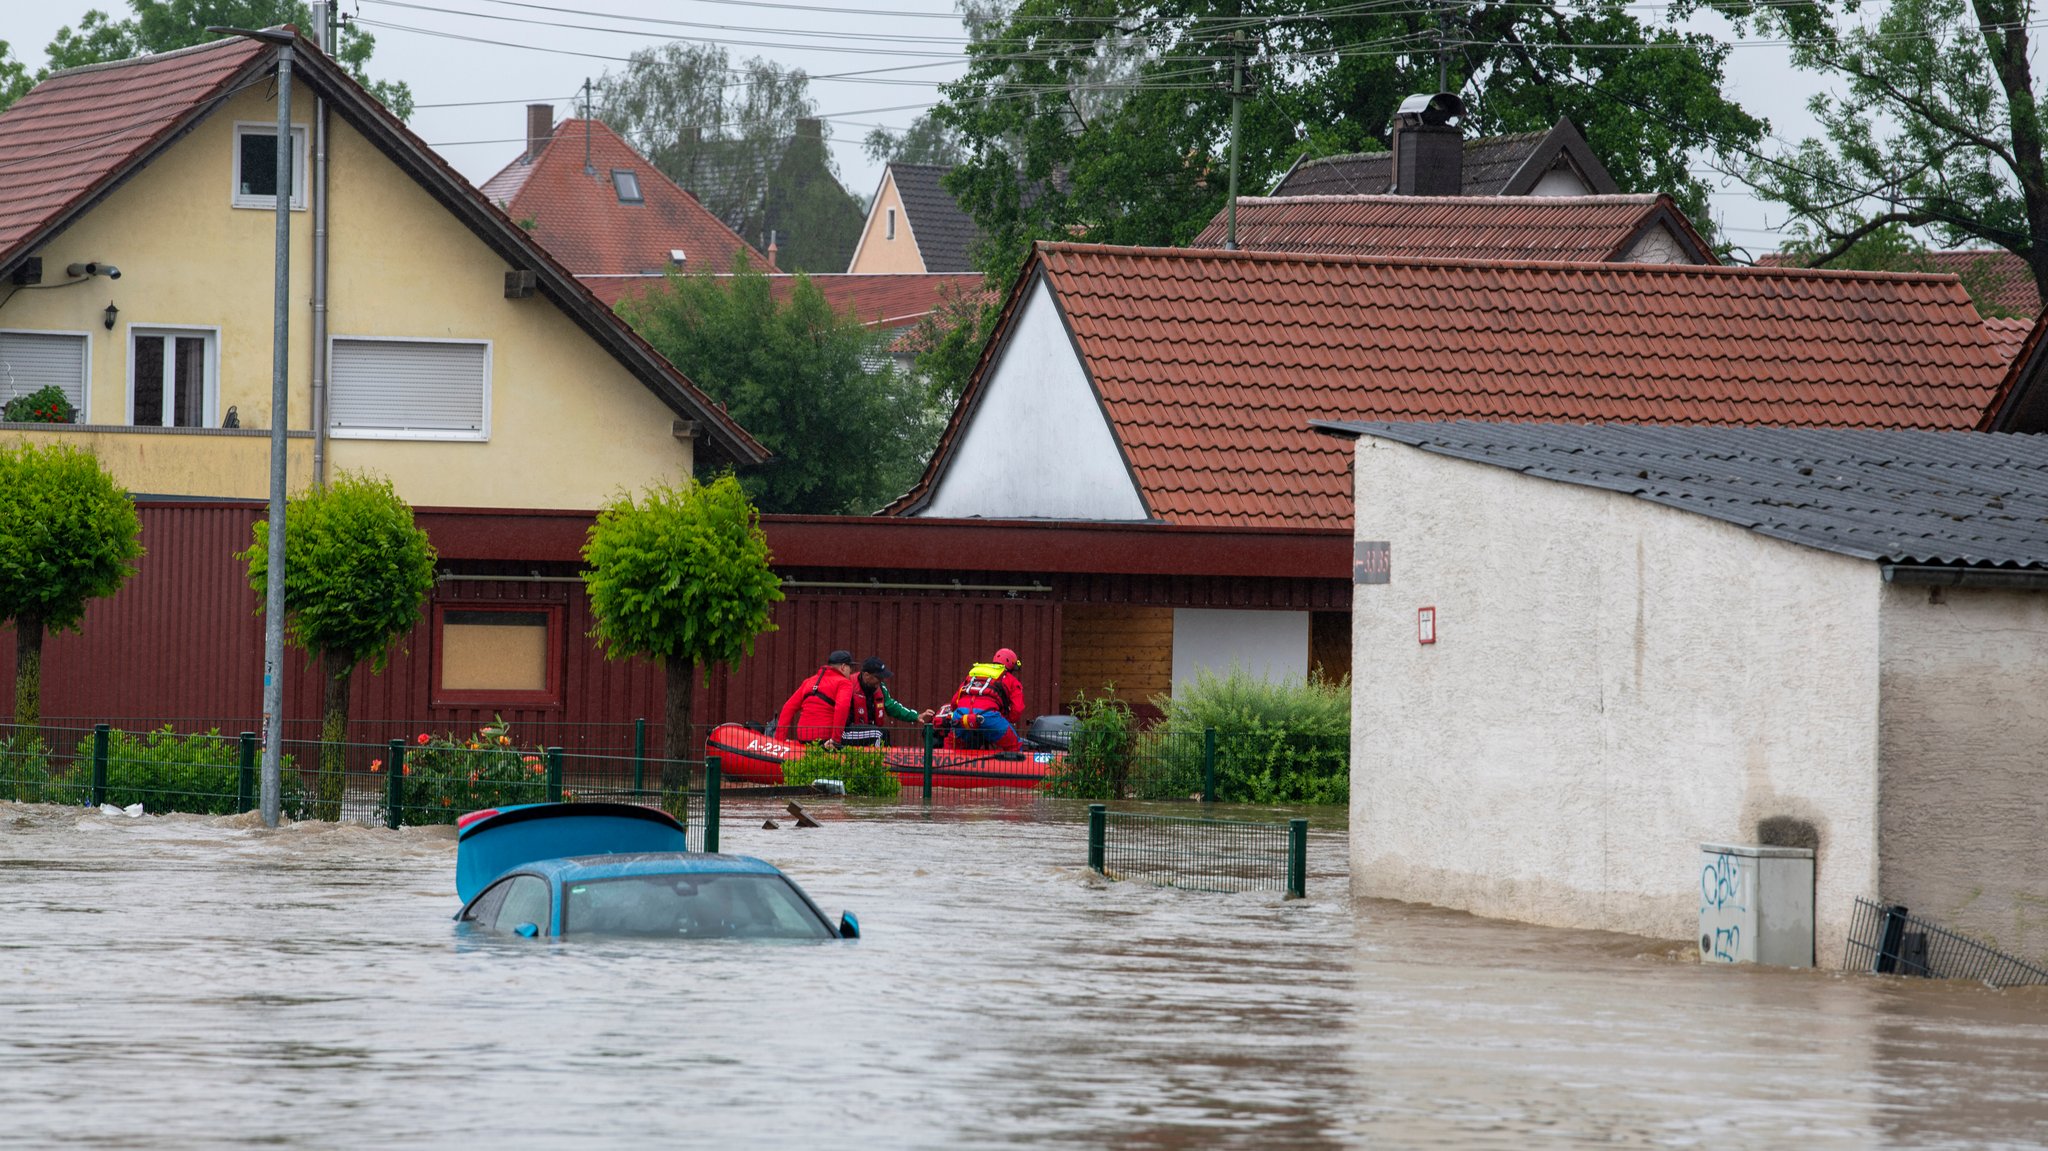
pixel 498 654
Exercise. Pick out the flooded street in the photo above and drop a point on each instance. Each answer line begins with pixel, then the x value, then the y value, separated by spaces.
pixel 191 981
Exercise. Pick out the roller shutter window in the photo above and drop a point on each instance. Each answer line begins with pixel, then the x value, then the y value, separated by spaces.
pixel 423 389
pixel 33 360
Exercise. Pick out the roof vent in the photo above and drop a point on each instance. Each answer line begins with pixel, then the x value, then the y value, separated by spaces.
pixel 1429 146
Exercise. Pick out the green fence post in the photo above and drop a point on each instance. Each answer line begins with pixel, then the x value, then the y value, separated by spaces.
pixel 713 777
pixel 1098 827
pixel 99 764
pixel 639 756
pixel 394 784
pixel 1297 859
pixel 929 733
pixel 554 775
pixel 1208 765
pixel 245 783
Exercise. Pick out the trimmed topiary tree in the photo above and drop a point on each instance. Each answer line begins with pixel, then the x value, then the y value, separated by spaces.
pixel 68 535
pixel 682 576
pixel 357 573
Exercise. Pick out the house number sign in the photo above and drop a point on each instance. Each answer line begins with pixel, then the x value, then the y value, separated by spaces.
pixel 1371 561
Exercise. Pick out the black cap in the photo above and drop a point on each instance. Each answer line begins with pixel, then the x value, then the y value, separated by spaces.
pixel 841 656
pixel 873 665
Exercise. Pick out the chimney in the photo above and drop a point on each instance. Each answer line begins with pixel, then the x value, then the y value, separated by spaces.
pixel 772 251
pixel 1429 146
pixel 540 124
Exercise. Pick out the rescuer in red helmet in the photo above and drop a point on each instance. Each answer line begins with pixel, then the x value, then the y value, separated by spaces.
pixel 988 708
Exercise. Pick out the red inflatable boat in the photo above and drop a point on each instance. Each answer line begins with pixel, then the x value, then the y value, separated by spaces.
pixel 747 756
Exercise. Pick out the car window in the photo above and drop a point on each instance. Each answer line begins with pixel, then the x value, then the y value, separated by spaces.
pixel 526 901
pixel 484 909
pixel 694 906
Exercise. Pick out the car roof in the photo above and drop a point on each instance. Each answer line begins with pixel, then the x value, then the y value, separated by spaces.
pixel 581 867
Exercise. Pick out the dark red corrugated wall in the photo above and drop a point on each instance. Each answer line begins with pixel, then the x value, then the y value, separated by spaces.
pixel 183 643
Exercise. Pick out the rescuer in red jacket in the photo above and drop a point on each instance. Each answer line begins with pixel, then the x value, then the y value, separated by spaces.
pixel 988 707
pixel 816 711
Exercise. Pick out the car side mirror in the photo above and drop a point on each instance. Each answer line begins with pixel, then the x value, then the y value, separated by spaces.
pixel 849 927
pixel 526 931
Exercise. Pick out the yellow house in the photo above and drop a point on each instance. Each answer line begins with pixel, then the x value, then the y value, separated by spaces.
pixel 431 340
pixel 914 225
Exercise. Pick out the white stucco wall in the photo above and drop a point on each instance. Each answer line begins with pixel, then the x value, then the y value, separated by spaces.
pixel 1965 761
pixel 1270 645
pixel 1657 246
pixel 1037 445
pixel 1614 683
pixel 1560 181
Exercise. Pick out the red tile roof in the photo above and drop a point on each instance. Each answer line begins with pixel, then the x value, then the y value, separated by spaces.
pixel 881 300
pixel 2003 279
pixel 80 132
pixel 1454 227
pixel 102 122
pixel 1211 364
pixel 581 220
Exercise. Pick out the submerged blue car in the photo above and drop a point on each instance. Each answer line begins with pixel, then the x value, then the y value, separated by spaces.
pixel 617 869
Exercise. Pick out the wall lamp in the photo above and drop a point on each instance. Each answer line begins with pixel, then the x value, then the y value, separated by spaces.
pixel 81 271
pixel 112 311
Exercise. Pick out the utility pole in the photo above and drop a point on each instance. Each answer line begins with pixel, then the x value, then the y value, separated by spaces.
pixel 1236 121
pixel 280 401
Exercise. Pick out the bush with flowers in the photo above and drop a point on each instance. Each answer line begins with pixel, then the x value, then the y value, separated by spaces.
pixel 446 775
pixel 45 405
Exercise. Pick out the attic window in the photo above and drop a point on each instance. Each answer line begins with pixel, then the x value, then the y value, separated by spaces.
pixel 256 167
pixel 892 224
pixel 627 184
pixel 678 257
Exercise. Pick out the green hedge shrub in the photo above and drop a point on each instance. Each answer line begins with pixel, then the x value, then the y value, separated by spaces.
pixel 1099 754
pixel 1286 742
pixel 28 776
pixel 863 770
pixel 165 771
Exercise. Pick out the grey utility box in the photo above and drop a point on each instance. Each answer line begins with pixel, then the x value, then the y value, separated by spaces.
pixel 1756 904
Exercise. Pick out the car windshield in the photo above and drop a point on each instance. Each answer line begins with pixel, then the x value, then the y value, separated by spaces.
pixel 693 906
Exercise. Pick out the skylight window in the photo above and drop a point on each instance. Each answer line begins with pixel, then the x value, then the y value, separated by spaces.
pixel 627 184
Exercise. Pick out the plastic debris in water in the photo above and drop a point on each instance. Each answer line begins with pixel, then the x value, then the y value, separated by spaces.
pixel 132 811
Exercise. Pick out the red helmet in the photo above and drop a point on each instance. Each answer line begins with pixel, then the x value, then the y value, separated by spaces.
pixel 1007 658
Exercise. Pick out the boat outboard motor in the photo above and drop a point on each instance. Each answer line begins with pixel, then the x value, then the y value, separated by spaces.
pixel 1053 731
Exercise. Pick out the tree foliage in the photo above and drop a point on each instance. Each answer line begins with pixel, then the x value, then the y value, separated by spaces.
pixel 928 140
pixel 1113 119
pixel 357 574
pixel 68 535
pixel 167 25
pixel 15 78
pixel 357 571
pixel 680 575
pixel 731 137
pixel 1937 126
pixel 848 431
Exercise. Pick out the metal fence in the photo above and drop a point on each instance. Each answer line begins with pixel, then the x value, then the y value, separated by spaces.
pixel 1888 939
pixel 1203 854
pixel 423 780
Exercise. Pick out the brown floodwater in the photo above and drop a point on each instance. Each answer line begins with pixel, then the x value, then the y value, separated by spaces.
pixel 192 981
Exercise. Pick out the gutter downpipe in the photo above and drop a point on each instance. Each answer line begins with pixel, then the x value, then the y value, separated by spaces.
pixel 323 38
pixel 1942 575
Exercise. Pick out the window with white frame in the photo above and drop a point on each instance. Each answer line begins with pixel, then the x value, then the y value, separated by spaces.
pixel 172 377
pixel 256 166
pixel 409 389
pixel 892 224
pixel 32 361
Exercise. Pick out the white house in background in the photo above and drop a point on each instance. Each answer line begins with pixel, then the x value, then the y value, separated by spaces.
pixel 1646 638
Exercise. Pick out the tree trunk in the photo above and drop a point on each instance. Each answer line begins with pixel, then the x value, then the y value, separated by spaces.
pixel 2004 29
pixel 28 679
pixel 675 737
pixel 337 671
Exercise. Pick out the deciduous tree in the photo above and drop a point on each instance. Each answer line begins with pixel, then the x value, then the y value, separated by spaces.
pixel 1113 119
pixel 816 387
pixel 681 575
pixel 357 573
pixel 1937 127
pixel 68 535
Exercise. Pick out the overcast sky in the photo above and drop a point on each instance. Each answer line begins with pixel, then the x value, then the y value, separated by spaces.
pixel 916 42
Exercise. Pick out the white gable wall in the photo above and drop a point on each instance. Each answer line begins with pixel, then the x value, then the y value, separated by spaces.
pixel 1614 682
pixel 1659 245
pixel 1037 445
pixel 1560 181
